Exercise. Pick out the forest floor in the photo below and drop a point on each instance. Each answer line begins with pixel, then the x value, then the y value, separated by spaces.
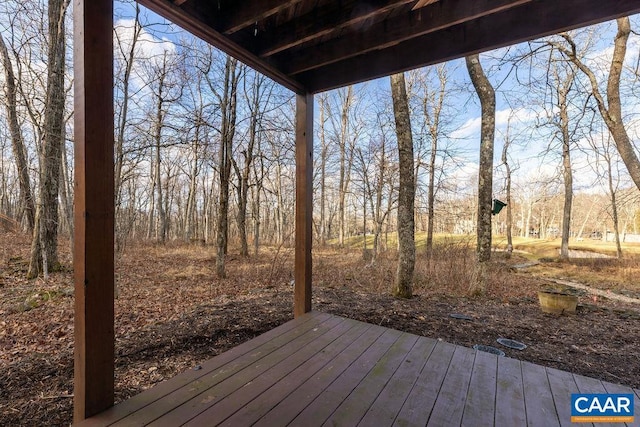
pixel 172 314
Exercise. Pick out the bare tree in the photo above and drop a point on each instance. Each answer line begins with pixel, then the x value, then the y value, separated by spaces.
pixel 163 97
pixel 487 97
pixel 383 183
pixel 504 158
pixel 228 108
pixel 257 97
pixel 376 173
pixel 614 205
pixel 126 51
pixel 198 133
pixel 17 142
pixel 611 109
pixel 259 171
pixel 606 164
pixel 44 249
pixel 346 144
pixel 324 155
pixel 406 194
pixel 432 105
pixel 562 84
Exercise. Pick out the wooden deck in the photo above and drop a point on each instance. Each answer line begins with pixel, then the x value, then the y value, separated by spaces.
pixel 322 369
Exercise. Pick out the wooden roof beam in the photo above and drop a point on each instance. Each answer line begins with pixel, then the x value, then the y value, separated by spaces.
pixel 420 22
pixel 423 3
pixel 248 12
pixel 325 20
pixel 198 24
pixel 530 21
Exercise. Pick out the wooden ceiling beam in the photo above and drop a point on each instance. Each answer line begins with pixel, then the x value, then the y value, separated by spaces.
pixel 416 23
pixel 423 3
pixel 324 20
pixel 530 21
pixel 248 12
pixel 198 25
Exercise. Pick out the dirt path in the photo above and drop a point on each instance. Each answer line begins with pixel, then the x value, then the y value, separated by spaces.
pixel 587 254
pixel 599 292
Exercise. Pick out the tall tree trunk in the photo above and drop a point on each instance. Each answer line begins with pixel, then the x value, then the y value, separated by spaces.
pixel 406 192
pixel 507 185
pixel 228 112
pixel 17 144
pixel 255 210
pixel 66 193
pixel 280 207
pixel 380 216
pixel 53 138
pixel 243 198
pixel 190 210
pixel 527 231
pixel 157 139
pixel 432 112
pixel 151 228
pixel 567 174
pixel 122 125
pixel 322 101
pixel 614 216
pixel 256 205
pixel 487 98
pixel 614 205
pixel 209 208
pixel 244 173
pixel 346 160
pixel 431 196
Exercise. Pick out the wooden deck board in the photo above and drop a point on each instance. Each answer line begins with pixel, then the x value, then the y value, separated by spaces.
pixel 292 405
pixel 541 411
pixel 562 385
pixel 356 405
pixel 418 405
pixel 510 408
pixel 297 365
pixel 479 409
pixel 202 394
pixel 449 405
pixel 258 380
pixel 384 410
pixel 271 339
pixel 328 400
pixel 223 371
pixel 322 369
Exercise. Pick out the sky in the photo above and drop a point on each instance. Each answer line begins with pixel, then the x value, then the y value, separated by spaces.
pixel 516 114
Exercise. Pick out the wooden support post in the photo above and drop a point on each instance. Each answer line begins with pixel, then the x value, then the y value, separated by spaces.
pixel 304 205
pixel 94 208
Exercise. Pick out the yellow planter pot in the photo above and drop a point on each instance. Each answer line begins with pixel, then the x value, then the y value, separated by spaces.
pixel 557 303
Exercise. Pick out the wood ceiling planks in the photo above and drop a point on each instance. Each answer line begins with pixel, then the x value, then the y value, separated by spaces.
pixel 314 45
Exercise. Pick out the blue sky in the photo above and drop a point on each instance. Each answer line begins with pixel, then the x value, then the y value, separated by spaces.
pixel 515 112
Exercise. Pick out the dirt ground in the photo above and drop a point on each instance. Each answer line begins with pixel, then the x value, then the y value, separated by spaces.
pixel 172 314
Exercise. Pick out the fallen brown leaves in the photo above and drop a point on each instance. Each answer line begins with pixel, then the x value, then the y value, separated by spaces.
pixel 172 314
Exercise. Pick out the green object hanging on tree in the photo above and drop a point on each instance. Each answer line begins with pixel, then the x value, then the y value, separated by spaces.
pixel 497 206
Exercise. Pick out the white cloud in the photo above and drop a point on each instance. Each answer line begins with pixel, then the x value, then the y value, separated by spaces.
pixel 148 45
pixel 515 116
pixel 149 50
pixel 518 116
pixel 470 128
